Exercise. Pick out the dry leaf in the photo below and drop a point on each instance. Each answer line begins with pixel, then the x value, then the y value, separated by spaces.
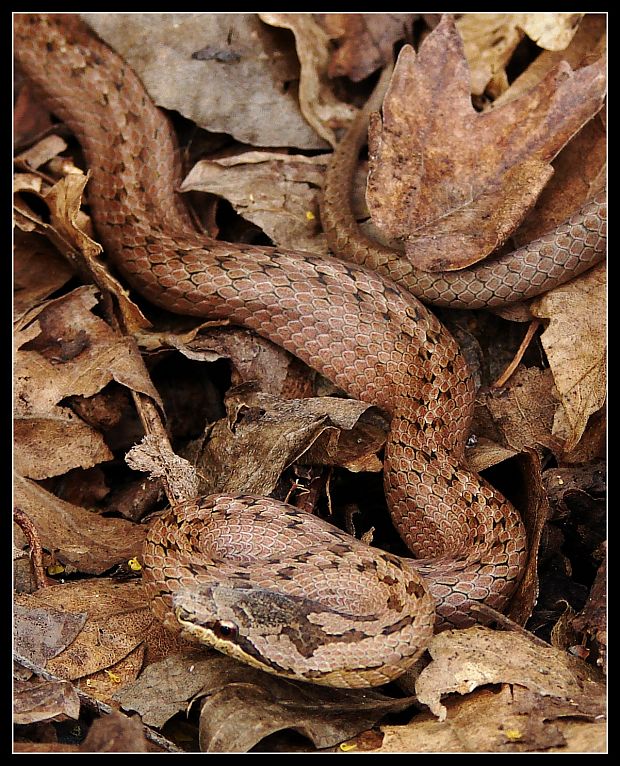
pixel 243 705
pixel 575 344
pixel 510 720
pixel 453 189
pixel 466 659
pixel 316 99
pixel 553 31
pixel 38 271
pixel 37 700
pixel 262 436
pixel 489 40
pixel 365 40
pixel 248 98
pixel 41 633
pixel 519 415
pixel 118 621
pixel 276 191
pixel 77 537
pixel 68 351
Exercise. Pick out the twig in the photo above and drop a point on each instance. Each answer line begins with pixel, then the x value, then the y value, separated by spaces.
pixel 503 378
pixel 36 550
pixel 506 622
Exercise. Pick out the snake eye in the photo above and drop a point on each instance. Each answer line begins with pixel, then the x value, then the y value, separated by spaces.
pixel 227 630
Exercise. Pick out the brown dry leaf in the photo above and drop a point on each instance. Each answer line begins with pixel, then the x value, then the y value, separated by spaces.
pixel 592 620
pixel 519 415
pixel 466 659
pixel 42 151
pixel 262 435
pixel 274 370
pixel 586 47
pixel 69 231
pixel 115 733
pixel 278 192
pixel 511 720
pixel 365 40
pixel 317 101
pixel 243 705
pixel 575 344
pixel 36 700
pixel 118 621
pixel 77 537
pixel 454 189
pixel 70 352
pixel 38 271
pixel 41 633
pixel 176 57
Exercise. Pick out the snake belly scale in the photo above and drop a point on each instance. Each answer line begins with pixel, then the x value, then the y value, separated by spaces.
pixel 260 580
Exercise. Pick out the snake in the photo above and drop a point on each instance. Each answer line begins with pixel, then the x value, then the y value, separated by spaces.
pixel 260 580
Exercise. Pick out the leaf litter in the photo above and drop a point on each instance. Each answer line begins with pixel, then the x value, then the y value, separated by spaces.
pixel 74 359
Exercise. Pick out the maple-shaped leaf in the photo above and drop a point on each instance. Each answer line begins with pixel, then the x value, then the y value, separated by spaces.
pixel 453 183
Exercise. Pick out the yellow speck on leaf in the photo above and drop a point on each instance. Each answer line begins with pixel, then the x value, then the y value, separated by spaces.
pixel 310 215
pixel 134 565
pixel 55 569
pixel 346 746
pixel 113 677
pixel 513 734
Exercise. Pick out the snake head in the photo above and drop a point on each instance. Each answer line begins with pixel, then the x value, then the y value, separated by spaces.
pixel 268 629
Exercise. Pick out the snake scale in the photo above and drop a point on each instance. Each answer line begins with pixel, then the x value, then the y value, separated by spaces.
pixel 257 579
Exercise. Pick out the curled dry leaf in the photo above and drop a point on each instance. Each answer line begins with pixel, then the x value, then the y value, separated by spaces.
pixel 490 39
pixel 317 101
pixel 67 351
pixel 276 191
pixel 155 457
pixel 253 358
pixel 263 435
pixel 520 414
pixel 575 344
pixel 243 705
pixel 466 659
pixel 77 537
pixel 453 183
pixel 248 98
pixel 553 31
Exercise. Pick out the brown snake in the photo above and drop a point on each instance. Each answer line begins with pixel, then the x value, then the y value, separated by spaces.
pixel 258 579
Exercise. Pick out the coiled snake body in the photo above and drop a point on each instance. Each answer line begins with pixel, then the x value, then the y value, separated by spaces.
pixel 259 580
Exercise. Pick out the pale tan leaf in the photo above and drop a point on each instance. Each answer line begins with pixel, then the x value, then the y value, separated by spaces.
pixel 575 344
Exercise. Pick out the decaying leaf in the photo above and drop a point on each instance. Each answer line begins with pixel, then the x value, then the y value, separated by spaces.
pixel 37 700
pixel 519 415
pixel 365 40
pixel 316 98
pixel 38 271
pixel 67 351
pixel 262 435
pixel 452 183
pixel 41 633
pixel 466 659
pixel 88 542
pixel 276 191
pixel 243 705
pixel 248 98
pixel 575 344
pixel 511 720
